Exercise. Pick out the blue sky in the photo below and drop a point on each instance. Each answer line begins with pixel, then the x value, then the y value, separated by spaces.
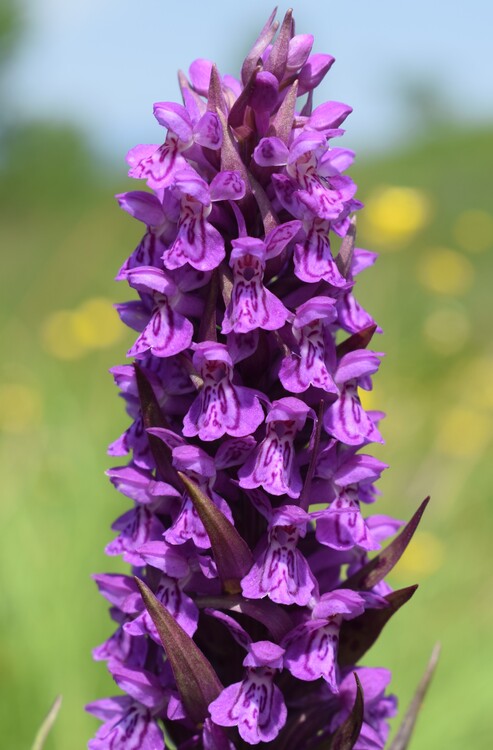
pixel 102 63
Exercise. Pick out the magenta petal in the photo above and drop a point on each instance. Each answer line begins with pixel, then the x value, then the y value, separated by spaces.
pixel 280 572
pixel 287 192
pixel 336 160
pixel 345 602
pixel 133 729
pixel 140 684
pixel 136 526
pixel 383 526
pixel 140 152
pixel 139 484
pixel 264 654
pixel 156 164
pixel 264 96
pixel 109 708
pixel 251 305
pixel 351 316
pixel 277 239
pixel 300 47
pixel 347 421
pixel 223 409
pixel 255 308
pixel 342 526
pixel 208 131
pixel 308 367
pixel 174 117
pixel 311 652
pixel 192 189
pixel 167 333
pixel 323 202
pixel 313 72
pixel 256 706
pixel 117 589
pixel 242 345
pixel 188 525
pixel 227 186
pixel 313 260
pixel 142 206
pixel 356 364
pixel 273 466
pixel 358 468
pixel 165 557
pixel 195 462
pixel 134 314
pixel 234 452
pixel 197 243
pixel 146 278
pixel 329 115
pixel 200 75
pixel 271 152
pixel 121 647
pixel 304 144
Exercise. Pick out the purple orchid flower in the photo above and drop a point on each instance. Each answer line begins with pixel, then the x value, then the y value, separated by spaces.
pixel 280 571
pixel 255 704
pixel 245 471
pixel 273 463
pixel 311 648
pixel 346 419
pixel 127 725
pixel 313 364
pixel 221 407
pixel 378 707
pixel 253 306
pixel 158 164
pixel 186 523
pixel 198 242
pixel 168 331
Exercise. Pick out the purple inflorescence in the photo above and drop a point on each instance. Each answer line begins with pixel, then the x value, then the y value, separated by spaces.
pixel 253 349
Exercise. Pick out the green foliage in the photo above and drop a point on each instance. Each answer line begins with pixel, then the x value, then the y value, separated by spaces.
pixel 9 28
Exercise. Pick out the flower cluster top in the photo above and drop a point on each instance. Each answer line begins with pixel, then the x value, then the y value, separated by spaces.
pixel 251 349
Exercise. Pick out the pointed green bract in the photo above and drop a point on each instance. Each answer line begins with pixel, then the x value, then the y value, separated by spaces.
pixel 278 57
pixel 358 340
pixel 231 553
pixel 47 724
pixel 401 740
pixel 236 115
pixel 358 635
pixel 269 218
pixel 376 570
pixel 347 734
pixel 196 680
pixel 152 416
pixel 230 158
pixel 282 122
pixel 345 255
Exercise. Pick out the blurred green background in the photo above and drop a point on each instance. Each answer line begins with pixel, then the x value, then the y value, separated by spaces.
pixel 429 213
